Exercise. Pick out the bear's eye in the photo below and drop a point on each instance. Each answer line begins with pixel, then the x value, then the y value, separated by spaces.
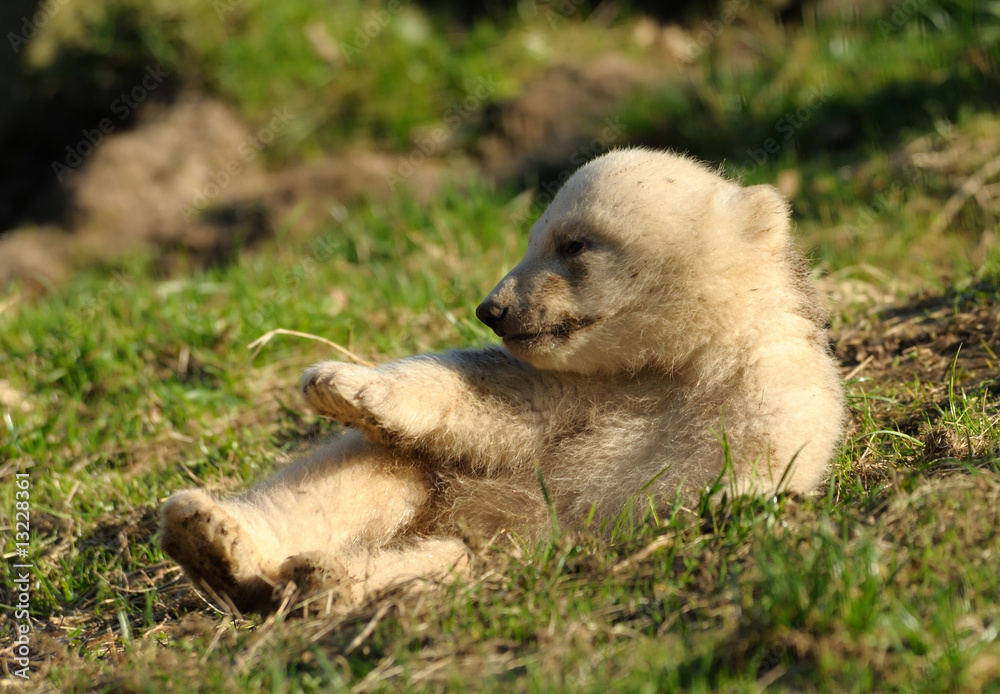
pixel 572 248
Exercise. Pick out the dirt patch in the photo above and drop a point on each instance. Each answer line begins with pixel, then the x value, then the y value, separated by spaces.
pixel 562 119
pixel 925 338
pixel 146 186
pixel 924 356
pixel 188 179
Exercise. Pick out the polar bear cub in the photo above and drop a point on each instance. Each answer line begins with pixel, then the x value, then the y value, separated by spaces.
pixel 661 327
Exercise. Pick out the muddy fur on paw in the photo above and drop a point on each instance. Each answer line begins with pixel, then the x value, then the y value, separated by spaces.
pixel 214 551
pixel 311 574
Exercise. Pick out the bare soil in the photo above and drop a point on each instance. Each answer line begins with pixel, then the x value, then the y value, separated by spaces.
pixel 183 180
pixel 919 354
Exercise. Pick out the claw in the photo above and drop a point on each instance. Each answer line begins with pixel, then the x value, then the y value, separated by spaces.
pixel 313 379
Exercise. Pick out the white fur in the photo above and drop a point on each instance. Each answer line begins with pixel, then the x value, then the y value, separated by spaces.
pixel 658 306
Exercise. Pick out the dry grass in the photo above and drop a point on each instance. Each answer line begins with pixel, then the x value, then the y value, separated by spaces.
pixel 122 388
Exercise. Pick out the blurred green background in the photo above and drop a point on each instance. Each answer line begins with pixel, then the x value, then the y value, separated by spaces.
pixel 179 177
pixel 419 95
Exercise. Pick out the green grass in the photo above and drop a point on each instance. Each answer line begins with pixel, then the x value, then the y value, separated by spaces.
pixel 348 70
pixel 124 386
pixel 878 79
pixel 886 581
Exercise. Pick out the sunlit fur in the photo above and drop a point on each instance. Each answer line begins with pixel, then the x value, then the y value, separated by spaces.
pixel 659 309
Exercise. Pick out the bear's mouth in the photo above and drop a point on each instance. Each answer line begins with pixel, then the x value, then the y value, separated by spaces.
pixel 559 332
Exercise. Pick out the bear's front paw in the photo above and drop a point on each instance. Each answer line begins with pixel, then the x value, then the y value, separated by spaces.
pixel 333 389
pixel 384 404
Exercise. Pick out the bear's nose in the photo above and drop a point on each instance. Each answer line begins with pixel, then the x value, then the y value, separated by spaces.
pixel 492 314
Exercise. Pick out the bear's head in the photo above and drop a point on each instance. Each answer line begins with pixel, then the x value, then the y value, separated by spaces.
pixel 642 260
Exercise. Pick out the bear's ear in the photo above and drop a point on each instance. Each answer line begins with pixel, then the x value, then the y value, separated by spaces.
pixel 765 215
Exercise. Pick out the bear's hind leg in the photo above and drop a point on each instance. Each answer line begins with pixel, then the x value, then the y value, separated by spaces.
pixel 430 558
pixel 349 499
pixel 215 550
